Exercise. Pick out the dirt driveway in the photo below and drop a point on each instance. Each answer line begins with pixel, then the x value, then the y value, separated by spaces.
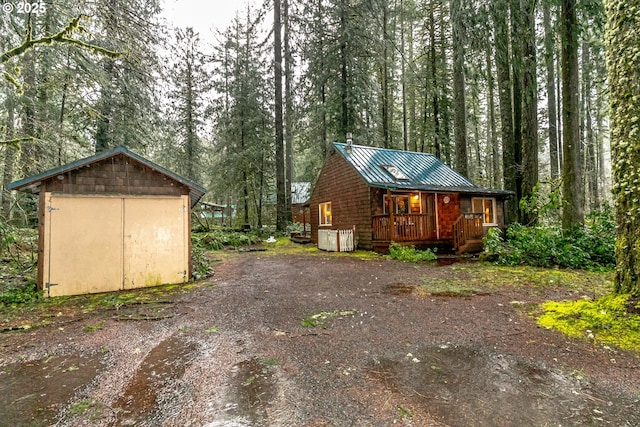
pixel 314 340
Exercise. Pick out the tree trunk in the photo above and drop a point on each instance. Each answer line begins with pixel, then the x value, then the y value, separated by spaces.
pixel 10 153
pixel 405 134
pixel 573 212
pixel 559 109
pixel 623 64
pixel 492 137
pixel 435 102
pixel 288 108
pixel 500 11
pixel 460 118
pixel 190 123
pixel 549 49
pixel 281 216
pixel 384 80
pixel 345 125
pixel 29 150
pixel 517 73
pixel 529 107
pixel 590 143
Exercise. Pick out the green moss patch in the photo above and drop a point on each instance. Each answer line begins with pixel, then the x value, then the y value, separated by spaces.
pixel 324 318
pixel 605 320
pixel 477 278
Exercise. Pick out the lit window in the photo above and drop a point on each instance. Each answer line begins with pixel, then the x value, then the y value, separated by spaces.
pixel 325 213
pixel 486 206
pixel 402 204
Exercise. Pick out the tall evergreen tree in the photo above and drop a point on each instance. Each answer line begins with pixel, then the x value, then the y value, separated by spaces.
pixel 499 11
pixel 189 78
pixel 573 212
pixel 244 142
pixel 281 204
pixel 460 118
pixel 529 107
pixel 623 63
pixel 126 109
pixel 549 59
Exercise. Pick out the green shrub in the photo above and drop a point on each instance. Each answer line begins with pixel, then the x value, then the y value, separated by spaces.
pixel 13 295
pixel 201 266
pixel 589 246
pixel 218 239
pixel 410 253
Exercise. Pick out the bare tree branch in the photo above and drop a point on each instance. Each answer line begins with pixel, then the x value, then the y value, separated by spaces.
pixel 63 37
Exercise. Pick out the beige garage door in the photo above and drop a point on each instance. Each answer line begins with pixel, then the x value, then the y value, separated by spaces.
pixel 155 251
pixel 100 244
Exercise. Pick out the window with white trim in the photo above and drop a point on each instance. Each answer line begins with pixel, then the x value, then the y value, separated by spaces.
pixel 486 206
pixel 325 213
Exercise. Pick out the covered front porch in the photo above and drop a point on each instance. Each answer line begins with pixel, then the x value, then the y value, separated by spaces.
pixel 429 219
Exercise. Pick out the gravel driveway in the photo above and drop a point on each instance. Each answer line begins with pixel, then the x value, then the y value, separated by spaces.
pixel 314 340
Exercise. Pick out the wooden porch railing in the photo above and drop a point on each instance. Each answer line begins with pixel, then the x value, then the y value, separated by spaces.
pixel 467 227
pixel 405 228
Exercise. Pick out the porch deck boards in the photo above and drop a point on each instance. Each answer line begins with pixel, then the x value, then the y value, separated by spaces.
pixel 419 230
pixel 403 228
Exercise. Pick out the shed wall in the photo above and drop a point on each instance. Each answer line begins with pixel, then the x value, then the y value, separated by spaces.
pixel 350 198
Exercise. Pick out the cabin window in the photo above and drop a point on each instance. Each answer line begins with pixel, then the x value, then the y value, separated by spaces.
pixel 486 206
pixel 403 204
pixel 325 213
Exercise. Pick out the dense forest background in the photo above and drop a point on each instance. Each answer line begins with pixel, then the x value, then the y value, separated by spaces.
pixel 512 93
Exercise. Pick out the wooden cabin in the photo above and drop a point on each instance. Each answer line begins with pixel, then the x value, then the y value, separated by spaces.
pixel 300 193
pixel 112 221
pixel 404 197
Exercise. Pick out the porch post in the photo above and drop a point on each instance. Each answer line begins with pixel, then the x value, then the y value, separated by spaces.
pixel 392 226
pixel 437 219
pixel 304 221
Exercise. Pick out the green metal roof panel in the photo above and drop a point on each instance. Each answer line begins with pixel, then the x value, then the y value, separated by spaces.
pixel 416 171
pixel 196 191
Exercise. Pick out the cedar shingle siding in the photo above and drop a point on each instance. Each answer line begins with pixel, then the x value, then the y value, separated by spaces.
pixel 350 199
pixel 115 175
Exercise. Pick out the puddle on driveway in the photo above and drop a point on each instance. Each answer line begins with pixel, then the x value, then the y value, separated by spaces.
pixel 31 393
pixel 462 387
pixel 163 365
pixel 252 392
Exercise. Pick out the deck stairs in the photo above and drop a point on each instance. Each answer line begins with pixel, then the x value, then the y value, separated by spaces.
pixel 467 233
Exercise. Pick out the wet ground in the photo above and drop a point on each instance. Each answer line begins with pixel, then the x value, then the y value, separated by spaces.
pixel 311 340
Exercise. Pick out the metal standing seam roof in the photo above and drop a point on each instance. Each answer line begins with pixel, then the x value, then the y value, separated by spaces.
pixel 423 171
pixel 196 191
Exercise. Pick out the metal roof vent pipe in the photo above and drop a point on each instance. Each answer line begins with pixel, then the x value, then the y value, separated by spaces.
pixel 349 142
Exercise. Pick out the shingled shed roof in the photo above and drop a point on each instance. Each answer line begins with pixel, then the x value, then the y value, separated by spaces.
pixel 408 170
pixel 196 191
